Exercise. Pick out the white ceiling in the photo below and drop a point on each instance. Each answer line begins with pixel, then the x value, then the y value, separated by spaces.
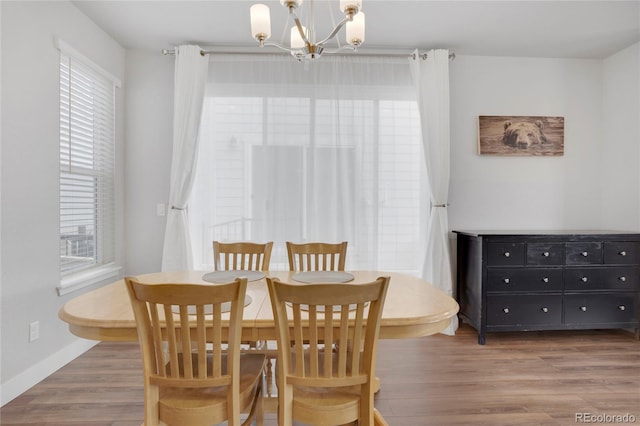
pixel 555 29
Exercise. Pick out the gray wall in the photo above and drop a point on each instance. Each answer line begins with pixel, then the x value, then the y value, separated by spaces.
pixel 620 144
pixel 493 192
pixel 29 178
pixel 596 184
pixel 149 105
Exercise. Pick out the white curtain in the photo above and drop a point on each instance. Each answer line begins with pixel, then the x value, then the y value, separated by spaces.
pixel 189 84
pixel 431 80
pixel 322 151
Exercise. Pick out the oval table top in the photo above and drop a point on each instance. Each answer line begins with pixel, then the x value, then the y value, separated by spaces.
pixel 413 306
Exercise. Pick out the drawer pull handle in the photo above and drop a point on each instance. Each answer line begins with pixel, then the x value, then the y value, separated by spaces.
pixel 585 253
pixel 623 253
pixel 583 308
pixel 545 280
pixel 507 254
pixel 545 254
pixel 505 310
pixel 584 279
pixel 623 279
pixel 506 280
pixel 621 307
pixel 545 310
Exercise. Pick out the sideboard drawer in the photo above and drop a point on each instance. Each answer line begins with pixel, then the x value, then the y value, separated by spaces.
pixel 545 253
pixel 524 310
pixel 602 278
pixel 600 308
pixel 584 253
pixel 505 254
pixel 622 252
pixel 519 279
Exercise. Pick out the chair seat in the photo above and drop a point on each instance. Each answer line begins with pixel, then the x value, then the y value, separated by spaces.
pixel 309 402
pixel 192 405
pixel 323 399
pixel 328 407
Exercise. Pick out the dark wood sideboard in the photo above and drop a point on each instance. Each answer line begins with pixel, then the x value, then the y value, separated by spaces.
pixel 548 280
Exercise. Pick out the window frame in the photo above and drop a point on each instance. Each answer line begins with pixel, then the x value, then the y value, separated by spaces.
pixel 104 267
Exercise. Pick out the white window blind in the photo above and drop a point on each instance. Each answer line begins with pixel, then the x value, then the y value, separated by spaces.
pixel 87 211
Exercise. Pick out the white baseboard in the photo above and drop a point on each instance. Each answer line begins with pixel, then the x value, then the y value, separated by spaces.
pixel 16 386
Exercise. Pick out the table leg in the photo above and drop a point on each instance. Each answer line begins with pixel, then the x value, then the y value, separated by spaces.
pixel 269 374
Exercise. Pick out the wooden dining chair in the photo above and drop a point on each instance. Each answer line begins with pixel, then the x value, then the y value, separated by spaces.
pixel 194 373
pixel 317 256
pixel 327 387
pixel 246 256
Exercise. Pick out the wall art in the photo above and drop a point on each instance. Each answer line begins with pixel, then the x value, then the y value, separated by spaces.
pixel 520 135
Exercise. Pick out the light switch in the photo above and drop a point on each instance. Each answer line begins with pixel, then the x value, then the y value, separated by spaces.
pixel 160 211
pixel 34 331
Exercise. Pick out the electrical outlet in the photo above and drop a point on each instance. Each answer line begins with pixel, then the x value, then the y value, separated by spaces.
pixel 34 331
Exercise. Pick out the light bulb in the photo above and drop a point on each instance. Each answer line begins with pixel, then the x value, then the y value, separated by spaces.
pixel 296 41
pixel 260 21
pixel 355 30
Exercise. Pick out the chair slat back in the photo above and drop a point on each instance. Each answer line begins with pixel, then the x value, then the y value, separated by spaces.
pixel 181 329
pixel 311 319
pixel 246 256
pixel 317 256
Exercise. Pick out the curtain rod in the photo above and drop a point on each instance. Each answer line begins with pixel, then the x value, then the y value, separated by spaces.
pixel 452 55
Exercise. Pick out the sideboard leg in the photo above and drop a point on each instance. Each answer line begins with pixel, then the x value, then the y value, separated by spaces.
pixel 482 339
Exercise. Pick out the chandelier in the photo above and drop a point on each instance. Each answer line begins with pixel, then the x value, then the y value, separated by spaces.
pixel 303 44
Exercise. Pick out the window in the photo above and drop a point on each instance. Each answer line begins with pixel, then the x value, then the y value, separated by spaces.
pixel 312 161
pixel 87 152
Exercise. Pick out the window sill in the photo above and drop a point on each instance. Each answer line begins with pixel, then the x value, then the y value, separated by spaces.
pixel 83 279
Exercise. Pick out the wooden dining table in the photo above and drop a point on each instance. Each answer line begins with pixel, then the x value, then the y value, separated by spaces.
pixel 413 307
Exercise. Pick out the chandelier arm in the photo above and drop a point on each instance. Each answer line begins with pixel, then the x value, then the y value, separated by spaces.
pixel 278 45
pixel 341 48
pixel 335 30
pixel 292 12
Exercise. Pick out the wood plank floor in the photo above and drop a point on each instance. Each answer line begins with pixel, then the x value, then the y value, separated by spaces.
pixel 533 378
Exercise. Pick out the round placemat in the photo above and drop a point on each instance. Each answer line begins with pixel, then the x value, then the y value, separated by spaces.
pixel 323 277
pixel 228 276
pixel 208 309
